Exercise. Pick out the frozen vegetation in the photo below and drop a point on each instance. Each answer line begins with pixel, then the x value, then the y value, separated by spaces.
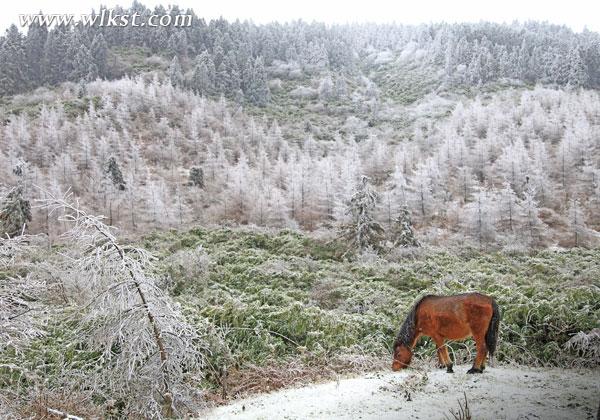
pixel 276 197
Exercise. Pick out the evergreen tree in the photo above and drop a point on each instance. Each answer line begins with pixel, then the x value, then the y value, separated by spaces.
pixel 200 82
pixel 99 51
pixel 13 63
pixel 175 74
pixel 578 76
pixel 115 174
pixel 577 223
pixel 196 177
pixel 15 213
pixel 84 67
pixel 34 49
pixel 403 234
pixel 363 231
pixel 258 93
pixel 56 59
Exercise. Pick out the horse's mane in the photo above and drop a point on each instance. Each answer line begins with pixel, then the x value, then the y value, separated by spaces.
pixel 407 332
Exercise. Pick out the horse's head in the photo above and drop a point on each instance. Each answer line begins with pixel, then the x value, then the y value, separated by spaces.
pixel 402 357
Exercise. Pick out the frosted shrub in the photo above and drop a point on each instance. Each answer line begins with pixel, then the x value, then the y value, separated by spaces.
pixel 587 345
pixel 368 257
pixel 189 265
pixel 19 300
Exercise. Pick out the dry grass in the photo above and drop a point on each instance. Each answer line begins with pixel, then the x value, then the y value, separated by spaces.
pixel 254 379
pixel 47 404
pixel 463 412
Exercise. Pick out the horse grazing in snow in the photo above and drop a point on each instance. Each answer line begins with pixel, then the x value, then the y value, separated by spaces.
pixel 449 318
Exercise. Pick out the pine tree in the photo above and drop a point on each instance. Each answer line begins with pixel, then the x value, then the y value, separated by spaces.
pixel 115 174
pixel 201 83
pixel 363 231
pixel 34 49
pixel 84 67
pixel 99 51
pixel 258 93
pixel 15 213
pixel 403 234
pixel 175 73
pixel 577 76
pixel 577 223
pixel 196 177
pixel 13 63
pixel 534 227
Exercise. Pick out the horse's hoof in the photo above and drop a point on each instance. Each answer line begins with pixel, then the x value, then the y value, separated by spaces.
pixel 449 369
pixel 474 370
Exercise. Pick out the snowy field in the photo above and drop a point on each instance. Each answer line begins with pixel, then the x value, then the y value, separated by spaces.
pixel 500 393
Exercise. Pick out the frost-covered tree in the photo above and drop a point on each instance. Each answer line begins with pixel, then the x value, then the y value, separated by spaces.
pixel 258 91
pixel 577 225
pixel 363 231
pixel 84 66
pixel 175 74
pixel 196 177
pixel 508 207
pixel 533 227
pixel 122 307
pixel 15 213
pixel 480 217
pixel 115 174
pixel 402 230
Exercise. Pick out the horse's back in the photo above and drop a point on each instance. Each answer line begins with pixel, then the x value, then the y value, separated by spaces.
pixel 455 316
pixel 467 299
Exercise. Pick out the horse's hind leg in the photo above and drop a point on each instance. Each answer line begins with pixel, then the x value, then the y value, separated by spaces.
pixel 479 363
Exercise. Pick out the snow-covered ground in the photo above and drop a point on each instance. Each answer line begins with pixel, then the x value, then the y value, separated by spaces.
pixel 508 392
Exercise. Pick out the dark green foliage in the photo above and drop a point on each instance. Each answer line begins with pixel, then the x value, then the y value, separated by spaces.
pixel 196 177
pixel 276 297
pixel 114 172
pixel 270 291
pixel 15 213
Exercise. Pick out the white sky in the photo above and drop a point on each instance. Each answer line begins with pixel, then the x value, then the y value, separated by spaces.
pixel 576 14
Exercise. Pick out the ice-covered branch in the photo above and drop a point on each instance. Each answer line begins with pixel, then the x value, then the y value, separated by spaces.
pixel 144 340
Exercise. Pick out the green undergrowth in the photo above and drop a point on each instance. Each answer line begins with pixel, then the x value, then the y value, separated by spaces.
pixel 264 299
pixel 277 296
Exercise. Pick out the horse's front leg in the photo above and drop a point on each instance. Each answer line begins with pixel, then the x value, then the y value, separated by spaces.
pixel 442 352
pixel 479 363
pixel 446 356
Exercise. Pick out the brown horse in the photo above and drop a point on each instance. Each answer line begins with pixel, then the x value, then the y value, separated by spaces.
pixel 449 318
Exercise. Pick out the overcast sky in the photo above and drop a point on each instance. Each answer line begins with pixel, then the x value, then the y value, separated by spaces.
pixel 576 14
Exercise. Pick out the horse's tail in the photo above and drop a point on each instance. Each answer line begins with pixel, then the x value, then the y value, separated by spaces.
pixel 491 336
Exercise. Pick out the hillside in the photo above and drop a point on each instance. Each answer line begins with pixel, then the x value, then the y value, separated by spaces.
pixel 486 132
pixel 192 215
pixel 517 164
